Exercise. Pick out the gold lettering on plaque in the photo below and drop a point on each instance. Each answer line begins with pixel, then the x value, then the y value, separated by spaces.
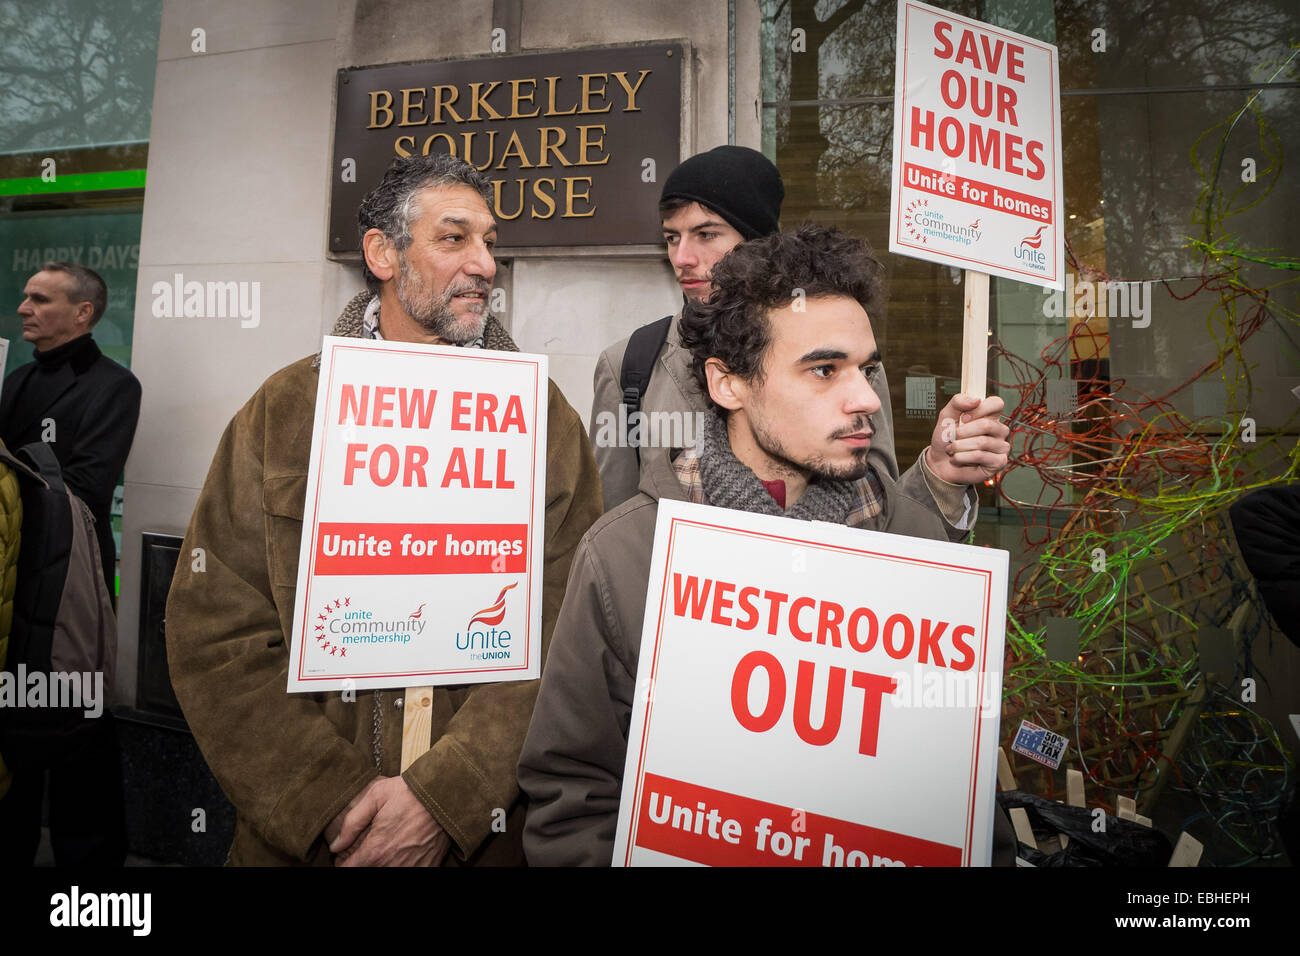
pixel 439 104
pixel 585 143
pixel 516 97
pixel 588 91
pixel 376 108
pixel 480 99
pixel 551 109
pixel 621 76
pixel 408 104
pixel 570 194
pixel 550 202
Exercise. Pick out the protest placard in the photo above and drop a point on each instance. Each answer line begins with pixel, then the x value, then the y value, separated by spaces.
pixel 977 176
pixel 421 551
pixel 812 695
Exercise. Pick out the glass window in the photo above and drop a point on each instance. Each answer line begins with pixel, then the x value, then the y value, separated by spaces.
pixel 1145 399
pixel 1143 114
pixel 76 95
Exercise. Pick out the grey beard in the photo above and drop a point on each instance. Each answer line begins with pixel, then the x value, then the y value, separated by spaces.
pixel 433 312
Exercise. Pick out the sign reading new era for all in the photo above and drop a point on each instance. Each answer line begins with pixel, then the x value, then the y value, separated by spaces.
pixel 977 148
pixel 812 695
pixel 421 555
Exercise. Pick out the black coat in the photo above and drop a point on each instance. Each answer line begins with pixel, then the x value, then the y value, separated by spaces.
pixel 94 404
pixel 1267 523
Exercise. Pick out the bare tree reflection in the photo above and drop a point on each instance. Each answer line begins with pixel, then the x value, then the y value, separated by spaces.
pixel 74 73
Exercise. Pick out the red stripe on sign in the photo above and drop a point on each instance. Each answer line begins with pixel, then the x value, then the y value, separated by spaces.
pixel 722 829
pixel 975 193
pixel 352 548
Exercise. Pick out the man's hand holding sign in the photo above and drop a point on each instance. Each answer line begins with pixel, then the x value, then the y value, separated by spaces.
pixel 969 442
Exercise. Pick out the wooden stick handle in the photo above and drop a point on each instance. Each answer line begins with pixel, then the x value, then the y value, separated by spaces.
pixel 1126 808
pixel 1074 788
pixel 417 724
pixel 1006 779
pixel 1187 851
pixel 975 335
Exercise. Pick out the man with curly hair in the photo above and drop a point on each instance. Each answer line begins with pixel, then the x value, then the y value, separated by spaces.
pixel 788 374
pixel 711 203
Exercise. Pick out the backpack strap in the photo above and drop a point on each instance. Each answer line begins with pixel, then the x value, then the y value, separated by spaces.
pixel 42 459
pixel 643 349
pixel 22 467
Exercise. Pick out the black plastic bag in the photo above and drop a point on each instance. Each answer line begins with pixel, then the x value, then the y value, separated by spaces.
pixel 1121 843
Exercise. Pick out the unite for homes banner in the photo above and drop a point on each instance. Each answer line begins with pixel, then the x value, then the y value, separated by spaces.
pixel 421 554
pixel 812 695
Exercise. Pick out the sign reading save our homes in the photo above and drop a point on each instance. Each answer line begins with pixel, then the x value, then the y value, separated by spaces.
pixel 977 175
pixel 575 144
pixel 421 555
pixel 812 695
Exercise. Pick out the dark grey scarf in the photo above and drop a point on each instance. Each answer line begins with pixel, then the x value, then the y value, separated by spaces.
pixel 730 484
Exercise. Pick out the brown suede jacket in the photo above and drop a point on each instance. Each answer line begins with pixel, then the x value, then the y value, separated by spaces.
pixel 291 762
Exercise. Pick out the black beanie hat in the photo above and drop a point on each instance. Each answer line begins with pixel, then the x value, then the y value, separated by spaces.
pixel 739 184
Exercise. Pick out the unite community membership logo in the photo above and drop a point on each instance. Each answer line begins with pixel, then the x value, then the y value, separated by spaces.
pixel 339 626
pixel 924 223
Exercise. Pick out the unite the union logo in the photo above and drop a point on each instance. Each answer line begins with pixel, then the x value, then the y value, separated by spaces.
pixel 491 643
pixel 1029 250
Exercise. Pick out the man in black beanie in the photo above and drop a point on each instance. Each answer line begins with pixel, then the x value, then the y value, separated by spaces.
pixel 710 204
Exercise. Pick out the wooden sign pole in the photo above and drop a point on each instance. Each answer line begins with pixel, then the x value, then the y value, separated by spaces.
pixel 417 724
pixel 975 336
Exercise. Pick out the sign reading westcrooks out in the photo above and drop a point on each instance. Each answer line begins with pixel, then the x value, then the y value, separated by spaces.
pixel 812 695
pixel 421 551
pixel 977 148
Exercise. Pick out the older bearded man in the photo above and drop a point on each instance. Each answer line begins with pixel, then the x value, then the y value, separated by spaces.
pixel 315 777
